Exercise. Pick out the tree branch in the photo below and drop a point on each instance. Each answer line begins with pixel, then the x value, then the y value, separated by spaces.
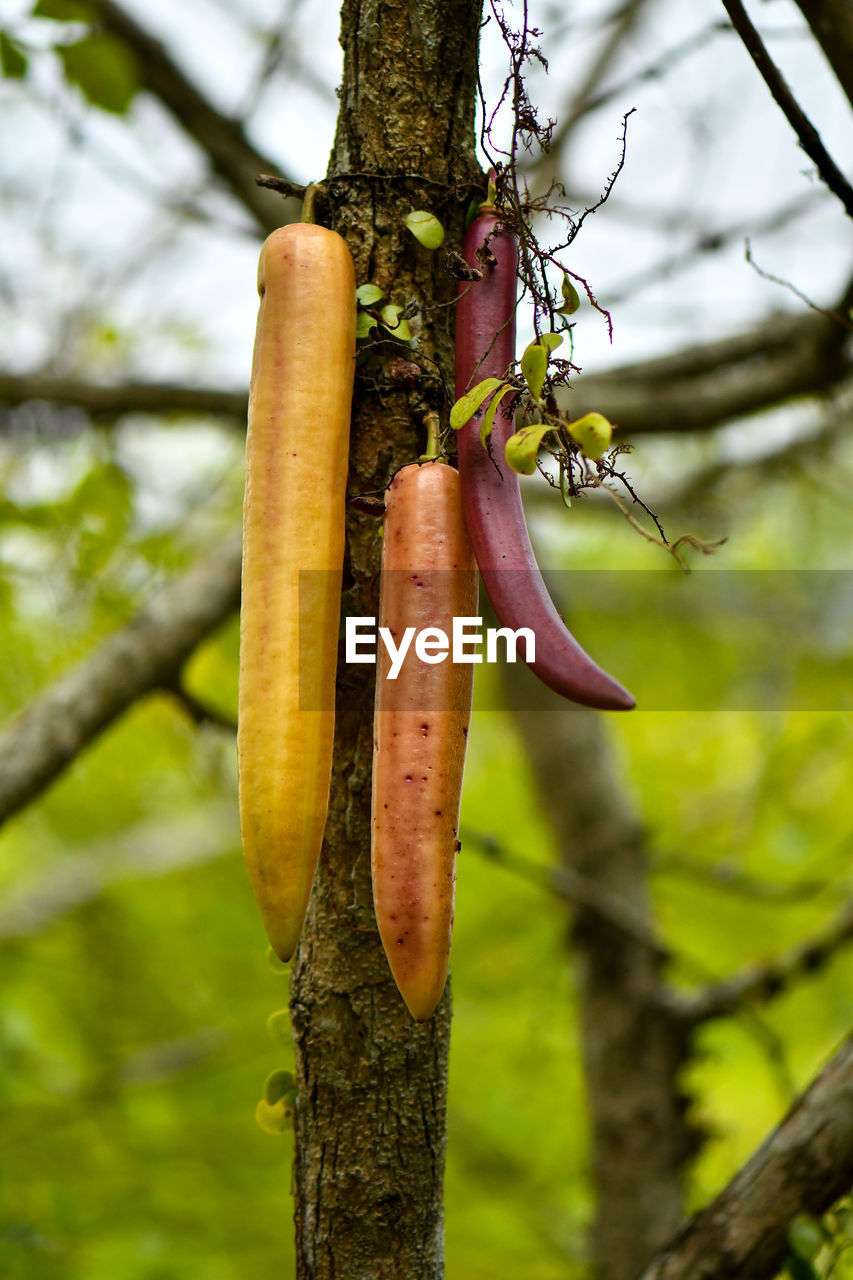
pixel 693 390
pixel 144 655
pixel 804 1166
pixel 762 983
pixel 221 138
pixel 573 888
pixel 832 24
pixel 702 387
pixel 810 139
pixel 131 397
pixel 147 851
pixel 585 98
pixel 709 241
pixel 634 1049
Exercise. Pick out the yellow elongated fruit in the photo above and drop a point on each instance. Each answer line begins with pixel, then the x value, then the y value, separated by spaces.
pixel 293 549
pixel 420 730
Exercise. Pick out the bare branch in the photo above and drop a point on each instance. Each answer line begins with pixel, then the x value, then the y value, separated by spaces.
pixel 200 712
pixel 804 1166
pixel 655 70
pixel 641 1132
pixel 710 241
pixel 791 457
pixel 696 389
pixel 144 655
pixel 150 850
pixel 702 387
pixel 131 397
pixel 572 887
pixel 761 983
pixel 222 139
pixel 810 139
pixel 733 880
pixel 832 24
pixel 585 98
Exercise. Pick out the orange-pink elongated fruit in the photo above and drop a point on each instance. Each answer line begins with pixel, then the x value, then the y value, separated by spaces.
pixel 293 550
pixel 420 730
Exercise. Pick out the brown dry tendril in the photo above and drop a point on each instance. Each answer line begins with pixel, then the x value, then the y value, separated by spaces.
pixel 539 266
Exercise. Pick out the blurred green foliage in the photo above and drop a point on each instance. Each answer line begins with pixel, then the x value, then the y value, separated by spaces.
pixel 139 1018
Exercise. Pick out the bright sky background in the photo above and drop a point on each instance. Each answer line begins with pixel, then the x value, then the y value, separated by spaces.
pixel 95 278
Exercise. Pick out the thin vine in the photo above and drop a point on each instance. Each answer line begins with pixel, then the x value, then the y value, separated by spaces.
pixel 582 451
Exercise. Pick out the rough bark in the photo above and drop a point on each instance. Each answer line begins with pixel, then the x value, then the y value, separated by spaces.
pixel 804 1166
pixel 370 1119
pixel 633 1048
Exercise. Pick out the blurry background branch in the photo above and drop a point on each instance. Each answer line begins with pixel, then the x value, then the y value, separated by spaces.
pixel 144 655
pixel 101 400
pixel 150 850
pixel 223 139
pixel 696 389
pixel 634 1049
pixel 760 983
pixel 810 139
pixel 699 388
pixel 832 24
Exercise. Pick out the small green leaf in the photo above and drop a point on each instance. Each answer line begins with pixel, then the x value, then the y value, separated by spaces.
pixel 278 1026
pixel 534 365
pixel 277 966
pixel 806 1237
pixel 103 69
pixel 550 341
pixel 395 322
pixel 364 322
pixel 571 298
pixel 466 406
pixel 12 61
pixel 426 228
pixel 279 1084
pixel 66 10
pixel 489 416
pixel 799 1268
pixel 593 433
pixel 276 1119
pixel 369 294
pixel 522 449
pixel 472 211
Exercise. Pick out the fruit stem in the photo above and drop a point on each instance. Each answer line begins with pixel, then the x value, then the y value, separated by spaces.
pixel 433 446
pixel 308 202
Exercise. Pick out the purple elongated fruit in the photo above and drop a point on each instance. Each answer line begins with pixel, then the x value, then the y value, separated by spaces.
pixel 491 494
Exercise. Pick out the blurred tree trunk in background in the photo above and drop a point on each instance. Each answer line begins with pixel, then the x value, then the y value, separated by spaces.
pixel 633 1050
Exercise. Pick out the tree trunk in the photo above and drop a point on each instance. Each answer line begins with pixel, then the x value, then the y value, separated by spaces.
pixel 370 1118
pixel 633 1050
